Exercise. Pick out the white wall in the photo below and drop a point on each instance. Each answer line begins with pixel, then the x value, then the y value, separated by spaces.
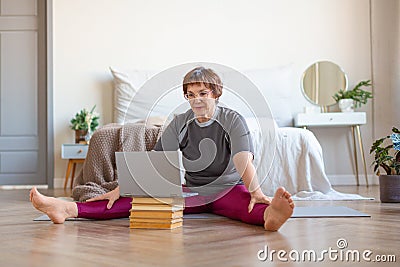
pixel 91 35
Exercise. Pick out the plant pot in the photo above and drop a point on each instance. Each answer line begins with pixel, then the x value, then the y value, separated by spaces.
pixel 80 136
pixel 346 105
pixel 389 188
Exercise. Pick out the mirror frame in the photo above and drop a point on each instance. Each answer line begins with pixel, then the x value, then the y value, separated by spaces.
pixel 304 91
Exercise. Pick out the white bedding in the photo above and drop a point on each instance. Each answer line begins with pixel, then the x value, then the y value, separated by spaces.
pixel 297 165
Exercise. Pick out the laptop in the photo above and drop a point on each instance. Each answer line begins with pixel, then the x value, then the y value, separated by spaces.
pixel 157 174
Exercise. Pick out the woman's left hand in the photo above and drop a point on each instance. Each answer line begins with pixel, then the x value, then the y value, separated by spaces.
pixel 258 197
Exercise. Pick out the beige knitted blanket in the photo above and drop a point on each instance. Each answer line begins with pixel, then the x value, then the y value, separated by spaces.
pixel 98 175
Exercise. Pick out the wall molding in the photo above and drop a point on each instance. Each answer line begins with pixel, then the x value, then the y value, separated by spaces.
pixel 49 94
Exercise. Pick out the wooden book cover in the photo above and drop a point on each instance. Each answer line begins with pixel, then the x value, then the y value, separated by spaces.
pixel 155 220
pixel 160 200
pixel 155 225
pixel 159 214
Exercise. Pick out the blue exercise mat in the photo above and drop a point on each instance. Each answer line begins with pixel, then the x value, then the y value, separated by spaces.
pixel 299 212
pixel 326 211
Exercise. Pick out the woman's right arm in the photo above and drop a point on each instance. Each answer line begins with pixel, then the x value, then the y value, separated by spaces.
pixel 112 196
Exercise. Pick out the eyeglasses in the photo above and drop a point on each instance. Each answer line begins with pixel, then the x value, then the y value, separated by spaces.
pixel 202 94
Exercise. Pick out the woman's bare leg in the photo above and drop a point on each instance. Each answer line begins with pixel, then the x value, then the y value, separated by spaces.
pixel 58 210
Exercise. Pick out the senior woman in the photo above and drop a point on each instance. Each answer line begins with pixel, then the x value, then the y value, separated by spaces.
pixel 218 158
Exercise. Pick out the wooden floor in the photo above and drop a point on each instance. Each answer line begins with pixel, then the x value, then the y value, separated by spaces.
pixel 201 242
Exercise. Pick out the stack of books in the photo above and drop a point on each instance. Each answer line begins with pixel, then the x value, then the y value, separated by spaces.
pixel 156 213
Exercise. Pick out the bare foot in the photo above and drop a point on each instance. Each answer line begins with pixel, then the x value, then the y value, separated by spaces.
pixel 280 209
pixel 58 210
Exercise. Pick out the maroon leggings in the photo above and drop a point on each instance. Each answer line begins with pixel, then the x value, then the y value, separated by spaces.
pixel 232 203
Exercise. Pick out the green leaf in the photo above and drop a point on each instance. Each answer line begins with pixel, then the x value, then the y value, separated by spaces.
pixel 359 96
pixel 78 122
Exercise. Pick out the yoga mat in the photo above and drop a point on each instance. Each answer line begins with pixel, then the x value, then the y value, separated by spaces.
pixel 186 216
pixel 299 212
pixel 200 216
pixel 46 218
pixel 326 211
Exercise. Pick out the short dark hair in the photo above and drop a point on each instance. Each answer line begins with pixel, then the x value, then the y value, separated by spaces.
pixel 201 75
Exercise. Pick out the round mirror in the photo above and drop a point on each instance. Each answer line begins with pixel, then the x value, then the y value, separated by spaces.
pixel 321 81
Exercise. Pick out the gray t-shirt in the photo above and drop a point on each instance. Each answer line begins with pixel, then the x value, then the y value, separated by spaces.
pixel 208 148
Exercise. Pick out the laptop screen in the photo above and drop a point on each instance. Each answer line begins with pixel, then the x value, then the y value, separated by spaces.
pixel 150 173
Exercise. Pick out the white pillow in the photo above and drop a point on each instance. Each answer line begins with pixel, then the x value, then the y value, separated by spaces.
pixel 125 88
pixel 278 87
pixel 158 98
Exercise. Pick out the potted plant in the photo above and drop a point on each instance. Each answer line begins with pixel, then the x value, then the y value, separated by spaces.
pixel 84 123
pixel 353 98
pixel 387 157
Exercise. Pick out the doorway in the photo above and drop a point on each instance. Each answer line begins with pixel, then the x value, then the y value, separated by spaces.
pixel 24 121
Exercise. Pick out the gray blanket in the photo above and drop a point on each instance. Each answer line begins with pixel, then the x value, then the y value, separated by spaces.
pixel 98 175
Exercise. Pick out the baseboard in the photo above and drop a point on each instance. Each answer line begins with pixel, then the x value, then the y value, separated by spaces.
pixel 59 182
pixel 350 179
pixel 11 187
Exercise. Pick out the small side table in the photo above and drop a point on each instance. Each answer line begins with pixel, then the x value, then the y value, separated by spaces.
pixel 75 153
pixel 332 119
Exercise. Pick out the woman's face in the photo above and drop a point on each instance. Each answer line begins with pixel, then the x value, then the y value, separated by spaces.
pixel 202 101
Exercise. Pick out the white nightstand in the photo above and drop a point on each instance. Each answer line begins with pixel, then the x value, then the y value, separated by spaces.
pixel 332 119
pixel 75 153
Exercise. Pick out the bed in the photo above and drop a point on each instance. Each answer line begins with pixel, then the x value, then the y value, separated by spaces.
pixel 284 156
